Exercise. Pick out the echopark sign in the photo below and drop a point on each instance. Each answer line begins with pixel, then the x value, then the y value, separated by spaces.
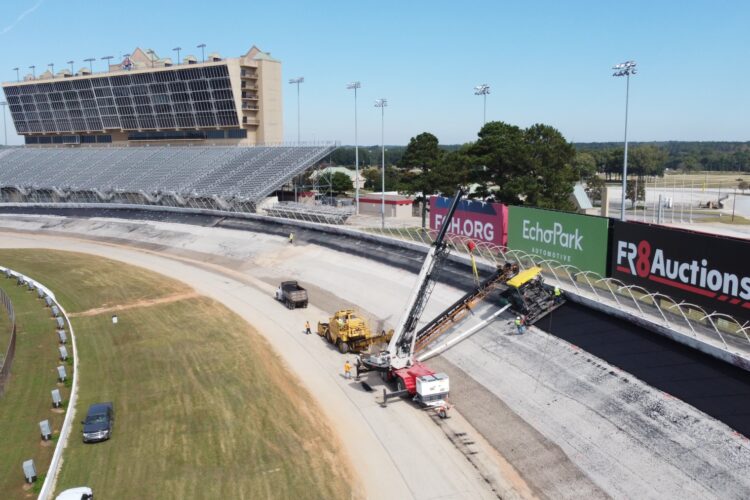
pixel 710 271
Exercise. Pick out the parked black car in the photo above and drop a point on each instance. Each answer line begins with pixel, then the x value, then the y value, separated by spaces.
pixel 99 422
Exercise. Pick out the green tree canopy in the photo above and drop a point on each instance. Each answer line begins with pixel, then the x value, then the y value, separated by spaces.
pixel 532 166
pixel 423 153
pixel 339 181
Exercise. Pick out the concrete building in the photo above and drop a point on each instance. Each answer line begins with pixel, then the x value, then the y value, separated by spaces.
pixel 145 98
pixel 396 205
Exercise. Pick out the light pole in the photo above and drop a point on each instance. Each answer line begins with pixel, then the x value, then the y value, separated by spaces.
pixel 625 69
pixel 90 60
pixel 72 72
pixel 18 77
pixel 52 68
pixel 382 104
pixel 107 58
pixel 297 81
pixel 5 130
pixel 483 90
pixel 178 49
pixel 203 51
pixel 33 70
pixel 151 53
pixel 354 86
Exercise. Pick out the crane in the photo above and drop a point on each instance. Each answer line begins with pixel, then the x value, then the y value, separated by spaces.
pixel 397 360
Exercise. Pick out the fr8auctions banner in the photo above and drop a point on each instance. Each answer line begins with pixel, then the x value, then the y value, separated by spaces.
pixel 707 270
pixel 476 220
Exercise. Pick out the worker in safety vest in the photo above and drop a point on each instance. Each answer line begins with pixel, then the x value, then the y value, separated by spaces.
pixel 291 238
pixel 558 294
pixel 520 325
pixel 347 370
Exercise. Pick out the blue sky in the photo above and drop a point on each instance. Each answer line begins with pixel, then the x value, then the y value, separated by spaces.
pixel 546 61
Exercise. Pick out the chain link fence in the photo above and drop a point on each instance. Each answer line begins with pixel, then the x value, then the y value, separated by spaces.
pixel 7 360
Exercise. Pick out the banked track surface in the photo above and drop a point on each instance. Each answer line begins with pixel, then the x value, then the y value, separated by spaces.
pixel 715 388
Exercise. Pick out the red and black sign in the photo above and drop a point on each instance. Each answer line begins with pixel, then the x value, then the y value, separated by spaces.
pixel 707 270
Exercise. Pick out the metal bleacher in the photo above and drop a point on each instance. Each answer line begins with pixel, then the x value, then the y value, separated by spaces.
pixel 234 177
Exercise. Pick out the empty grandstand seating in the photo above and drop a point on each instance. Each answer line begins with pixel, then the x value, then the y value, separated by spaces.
pixel 234 178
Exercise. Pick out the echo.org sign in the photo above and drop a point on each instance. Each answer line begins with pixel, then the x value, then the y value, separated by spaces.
pixel 469 228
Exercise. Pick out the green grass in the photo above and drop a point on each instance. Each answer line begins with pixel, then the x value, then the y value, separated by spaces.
pixel 80 286
pixel 27 399
pixel 725 219
pixel 204 407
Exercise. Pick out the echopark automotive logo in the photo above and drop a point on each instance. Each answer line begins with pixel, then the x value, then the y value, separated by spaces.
pixel 695 276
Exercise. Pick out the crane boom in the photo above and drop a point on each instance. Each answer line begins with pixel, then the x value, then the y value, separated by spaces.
pixel 400 352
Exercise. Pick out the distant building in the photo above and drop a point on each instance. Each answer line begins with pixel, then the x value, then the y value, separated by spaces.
pixel 349 173
pixel 396 205
pixel 145 98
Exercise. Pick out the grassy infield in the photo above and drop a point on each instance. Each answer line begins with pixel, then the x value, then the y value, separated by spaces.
pixel 204 408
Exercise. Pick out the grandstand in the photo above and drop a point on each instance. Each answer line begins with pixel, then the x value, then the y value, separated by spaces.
pixel 227 178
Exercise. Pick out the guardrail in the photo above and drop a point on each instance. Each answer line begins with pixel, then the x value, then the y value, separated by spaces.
pixel 54 466
pixel 7 361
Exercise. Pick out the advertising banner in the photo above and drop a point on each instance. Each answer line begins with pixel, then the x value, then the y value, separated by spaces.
pixel 476 220
pixel 578 240
pixel 704 269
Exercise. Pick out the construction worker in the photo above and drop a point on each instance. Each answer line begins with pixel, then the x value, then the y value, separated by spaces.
pixel 291 238
pixel 307 328
pixel 347 370
pixel 558 294
pixel 520 325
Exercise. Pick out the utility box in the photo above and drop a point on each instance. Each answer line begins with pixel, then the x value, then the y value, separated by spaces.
pixel 29 471
pixel 60 322
pixel 20 281
pixel 45 429
pixel 433 387
pixel 55 311
pixel 56 398
pixel 62 336
pixel 61 374
pixel 31 285
pixel 48 301
pixel 63 353
pixel 40 293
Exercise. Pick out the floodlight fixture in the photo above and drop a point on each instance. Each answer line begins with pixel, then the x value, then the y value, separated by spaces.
pixel 382 103
pixel 297 81
pixel 18 77
pixel 178 49
pixel 33 70
pixel 90 60
pixel 108 59
pixel 354 86
pixel 202 46
pixel 625 69
pixel 51 66
pixel 483 90
pixel 72 71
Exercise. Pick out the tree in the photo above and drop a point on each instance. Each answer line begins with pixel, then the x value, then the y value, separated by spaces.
pixel 630 193
pixel 421 153
pixel 743 185
pixel 339 181
pixel 373 179
pixel 584 165
pixel 594 187
pixel 532 166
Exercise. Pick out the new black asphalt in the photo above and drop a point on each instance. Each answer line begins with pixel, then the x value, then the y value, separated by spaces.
pixel 716 388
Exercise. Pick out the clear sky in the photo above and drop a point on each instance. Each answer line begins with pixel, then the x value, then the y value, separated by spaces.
pixel 546 61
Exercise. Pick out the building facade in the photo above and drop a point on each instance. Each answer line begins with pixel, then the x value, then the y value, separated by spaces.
pixel 147 99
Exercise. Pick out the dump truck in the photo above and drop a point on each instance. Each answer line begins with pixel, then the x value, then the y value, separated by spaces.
pixel 349 332
pixel 291 294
